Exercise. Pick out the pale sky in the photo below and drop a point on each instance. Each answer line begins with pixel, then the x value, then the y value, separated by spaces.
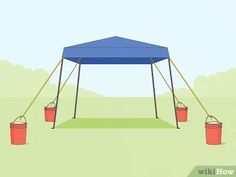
pixel 200 35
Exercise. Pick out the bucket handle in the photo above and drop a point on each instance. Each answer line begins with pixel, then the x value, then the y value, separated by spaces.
pixel 211 117
pixel 181 105
pixel 19 118
pixel 51 105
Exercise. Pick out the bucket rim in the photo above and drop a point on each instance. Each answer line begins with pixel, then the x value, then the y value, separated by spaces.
pixel 213 125
pixel 182 108
pixel 18 125
pixel 49 108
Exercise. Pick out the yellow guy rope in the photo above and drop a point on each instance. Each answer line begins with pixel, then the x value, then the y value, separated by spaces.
pixel 66 81
pixel 189 87
pixel 41 88
pixel 165 80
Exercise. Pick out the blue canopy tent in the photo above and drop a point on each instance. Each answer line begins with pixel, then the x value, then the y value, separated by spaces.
pixel 115 50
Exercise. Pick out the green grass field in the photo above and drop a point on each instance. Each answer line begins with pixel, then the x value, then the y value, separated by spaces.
pixel 116 152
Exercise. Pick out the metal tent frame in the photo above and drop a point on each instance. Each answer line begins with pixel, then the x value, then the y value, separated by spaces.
pixel 115 50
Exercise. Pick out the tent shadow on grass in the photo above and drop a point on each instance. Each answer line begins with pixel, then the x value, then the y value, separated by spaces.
pixel 115 123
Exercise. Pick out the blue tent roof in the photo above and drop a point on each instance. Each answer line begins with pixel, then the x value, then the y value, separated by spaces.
pixel 115 50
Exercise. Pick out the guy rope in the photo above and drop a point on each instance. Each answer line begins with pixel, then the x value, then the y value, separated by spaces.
pixel 50 109
pixel 40 90
pixel 180 108
pixel 159 71
pixel 66 81
pixel 191 90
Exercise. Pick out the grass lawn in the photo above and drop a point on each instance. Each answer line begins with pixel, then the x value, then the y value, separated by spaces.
pixel 115 152
pixel 115 123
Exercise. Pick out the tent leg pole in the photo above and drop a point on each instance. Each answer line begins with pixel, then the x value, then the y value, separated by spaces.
pixel 154 92
pixel 77 92
pixel 173 93
pixel 58 94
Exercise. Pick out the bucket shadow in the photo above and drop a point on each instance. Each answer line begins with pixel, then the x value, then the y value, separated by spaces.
pixel 20 145
pixel 222 144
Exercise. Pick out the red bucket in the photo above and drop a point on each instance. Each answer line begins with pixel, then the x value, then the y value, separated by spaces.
pixel 18 131
pixel 182 112
pixel 213 131
pixel 49 112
